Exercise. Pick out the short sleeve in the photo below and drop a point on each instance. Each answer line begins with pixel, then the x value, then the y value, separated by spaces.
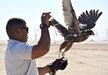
pixel 22 51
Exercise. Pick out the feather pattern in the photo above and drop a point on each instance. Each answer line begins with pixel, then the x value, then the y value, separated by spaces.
pixel 61 29
pixel 70 18
pixel 68 46
pixel 89 18
pixel 83 25
pixel 64 44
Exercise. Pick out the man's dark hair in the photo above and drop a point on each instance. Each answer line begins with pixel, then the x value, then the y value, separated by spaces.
pixel 12 24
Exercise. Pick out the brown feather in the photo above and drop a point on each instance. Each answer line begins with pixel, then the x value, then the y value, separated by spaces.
pixel 70 16
pixel 69 46
pixel 63 45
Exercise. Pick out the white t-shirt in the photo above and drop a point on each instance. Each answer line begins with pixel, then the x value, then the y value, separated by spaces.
pixel 18 59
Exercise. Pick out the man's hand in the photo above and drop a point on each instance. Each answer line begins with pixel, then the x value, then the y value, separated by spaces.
pixel 58 64
pixel 45 18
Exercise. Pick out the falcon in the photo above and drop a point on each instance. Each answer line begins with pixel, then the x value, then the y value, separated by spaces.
pixel 78 29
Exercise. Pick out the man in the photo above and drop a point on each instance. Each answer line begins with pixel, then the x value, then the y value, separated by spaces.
pixel 20 57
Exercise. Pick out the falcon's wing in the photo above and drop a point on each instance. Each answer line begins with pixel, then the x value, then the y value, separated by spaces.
pixel 70 18
pixel 89 18
pixel 64 32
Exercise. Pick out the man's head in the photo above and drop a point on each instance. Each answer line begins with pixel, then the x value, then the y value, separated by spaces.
pixel 16 29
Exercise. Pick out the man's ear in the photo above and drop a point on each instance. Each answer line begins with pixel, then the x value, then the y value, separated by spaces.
pixel 17 31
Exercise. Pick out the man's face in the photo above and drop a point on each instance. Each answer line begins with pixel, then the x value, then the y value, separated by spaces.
pixel 22 33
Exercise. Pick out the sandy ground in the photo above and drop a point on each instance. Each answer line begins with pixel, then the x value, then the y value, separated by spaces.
pixel 83 59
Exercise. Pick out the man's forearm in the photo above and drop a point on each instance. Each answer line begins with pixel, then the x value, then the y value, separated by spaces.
pixel 43 45
pixel 43 70
pixel 44 41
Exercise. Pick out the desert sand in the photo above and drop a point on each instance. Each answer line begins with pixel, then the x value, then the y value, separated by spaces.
pixel 83 59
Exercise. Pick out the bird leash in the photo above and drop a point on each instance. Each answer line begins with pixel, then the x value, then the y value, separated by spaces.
pixel 61 54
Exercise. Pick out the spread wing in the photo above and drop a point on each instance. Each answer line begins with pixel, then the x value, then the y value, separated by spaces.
pixel 70 18
pixel 89 18
pixel 64 32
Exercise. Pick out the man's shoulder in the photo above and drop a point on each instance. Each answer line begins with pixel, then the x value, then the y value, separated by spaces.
pixel 17 45
pixel 19 49
pixel 16 42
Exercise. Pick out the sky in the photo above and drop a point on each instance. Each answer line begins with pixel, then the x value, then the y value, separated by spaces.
pixel 31 10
